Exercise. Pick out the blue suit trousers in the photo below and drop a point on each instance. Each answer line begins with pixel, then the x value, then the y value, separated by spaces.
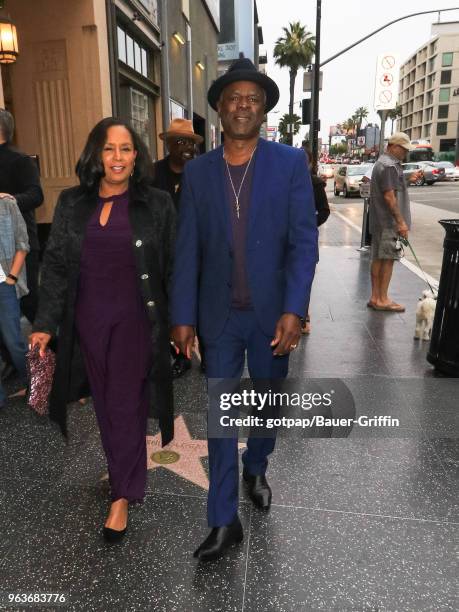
pixel 225 358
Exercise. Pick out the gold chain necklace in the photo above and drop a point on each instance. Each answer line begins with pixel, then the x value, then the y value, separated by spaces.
pixel 236 195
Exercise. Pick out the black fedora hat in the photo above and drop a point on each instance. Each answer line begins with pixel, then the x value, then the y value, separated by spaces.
pixel 244 70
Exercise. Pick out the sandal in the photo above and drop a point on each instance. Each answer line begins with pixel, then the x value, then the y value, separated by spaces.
pixel 393 307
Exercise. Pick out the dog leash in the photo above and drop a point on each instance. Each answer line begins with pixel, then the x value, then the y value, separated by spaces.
pixel 407 243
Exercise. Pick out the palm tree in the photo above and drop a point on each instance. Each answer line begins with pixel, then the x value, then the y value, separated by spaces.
pixel 294 50
pixel 286 136
pixel 349 126
pixel 360 114
pixel 393 114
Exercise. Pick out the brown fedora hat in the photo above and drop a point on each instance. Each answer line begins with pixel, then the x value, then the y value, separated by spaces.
pixel 181 128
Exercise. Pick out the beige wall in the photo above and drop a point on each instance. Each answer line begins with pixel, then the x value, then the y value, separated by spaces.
pixel 60 85
pixel 204 43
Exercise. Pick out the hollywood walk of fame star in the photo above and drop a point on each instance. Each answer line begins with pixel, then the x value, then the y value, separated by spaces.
pixel 182 456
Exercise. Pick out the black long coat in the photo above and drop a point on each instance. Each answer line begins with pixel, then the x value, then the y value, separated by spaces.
pixel 152 218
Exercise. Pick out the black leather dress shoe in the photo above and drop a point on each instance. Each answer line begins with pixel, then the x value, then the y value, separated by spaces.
pixel 219 540
pixel 258 489
pixel 180 366
pixel 113 535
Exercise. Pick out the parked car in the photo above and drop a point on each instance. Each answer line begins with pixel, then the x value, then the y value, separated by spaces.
pixel 430 174
pixel 451 171
pixel 348 178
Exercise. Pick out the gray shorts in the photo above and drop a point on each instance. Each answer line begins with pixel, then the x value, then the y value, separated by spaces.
pixel 384 243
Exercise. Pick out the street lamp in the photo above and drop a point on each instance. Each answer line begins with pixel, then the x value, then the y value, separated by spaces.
pixel 9 50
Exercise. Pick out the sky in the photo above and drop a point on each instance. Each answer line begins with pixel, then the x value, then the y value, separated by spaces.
pixel 348 81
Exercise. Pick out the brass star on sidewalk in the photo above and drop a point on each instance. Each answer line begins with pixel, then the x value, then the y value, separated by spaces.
pixel 182 456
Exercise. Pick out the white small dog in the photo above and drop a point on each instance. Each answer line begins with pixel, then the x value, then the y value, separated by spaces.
pixel 425 312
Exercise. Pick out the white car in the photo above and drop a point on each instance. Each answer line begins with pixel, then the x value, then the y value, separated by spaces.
pixel 326 171
pixel 451 171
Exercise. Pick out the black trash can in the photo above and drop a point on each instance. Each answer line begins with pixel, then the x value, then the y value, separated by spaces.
pixel 444 344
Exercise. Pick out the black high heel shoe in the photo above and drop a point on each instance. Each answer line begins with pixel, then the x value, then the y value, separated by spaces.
pixel 113 535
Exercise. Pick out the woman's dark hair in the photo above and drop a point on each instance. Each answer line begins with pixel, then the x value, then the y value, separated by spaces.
pixel 89 167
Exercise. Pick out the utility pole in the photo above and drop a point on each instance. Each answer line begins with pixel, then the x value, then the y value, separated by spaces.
pixel 383 115
pixel 316 85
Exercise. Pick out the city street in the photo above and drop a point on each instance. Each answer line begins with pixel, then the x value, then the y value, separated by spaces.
pixel 429 204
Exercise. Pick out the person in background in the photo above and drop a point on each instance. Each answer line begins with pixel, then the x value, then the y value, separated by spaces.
pixel 322 212
pixel 20 179
pixel 390 218
pixel 104 288
pixel 14 246
pixel 181 143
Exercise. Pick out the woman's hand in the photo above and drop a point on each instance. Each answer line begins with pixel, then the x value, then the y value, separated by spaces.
pixel 10 281
pixel 41 339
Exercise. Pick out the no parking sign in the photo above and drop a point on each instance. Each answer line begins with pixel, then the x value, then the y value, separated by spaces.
pixel 386 82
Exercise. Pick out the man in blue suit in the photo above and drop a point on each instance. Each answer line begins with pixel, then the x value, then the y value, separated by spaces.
pixel 246 253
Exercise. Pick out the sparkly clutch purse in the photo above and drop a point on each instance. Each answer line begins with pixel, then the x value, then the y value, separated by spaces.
pixel 41 373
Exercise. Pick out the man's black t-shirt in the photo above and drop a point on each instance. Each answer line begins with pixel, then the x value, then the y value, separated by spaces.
pixel 167 180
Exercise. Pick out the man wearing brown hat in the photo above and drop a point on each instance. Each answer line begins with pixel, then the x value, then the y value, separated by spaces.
pixel 245 258
pixel 390 219
pixel 181 144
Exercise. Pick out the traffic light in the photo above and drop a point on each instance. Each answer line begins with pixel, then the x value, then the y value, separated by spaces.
pixel 306 111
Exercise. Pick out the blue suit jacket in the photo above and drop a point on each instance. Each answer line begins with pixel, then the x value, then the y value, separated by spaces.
pixel 281 241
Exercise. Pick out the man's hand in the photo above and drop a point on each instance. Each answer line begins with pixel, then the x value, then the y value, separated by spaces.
pixel 402 229
pixel 287 335
pixel 41 339
pixel 5 195
pixel 416 176
pixel 183 338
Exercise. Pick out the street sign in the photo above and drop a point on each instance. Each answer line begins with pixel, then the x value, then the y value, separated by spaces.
pixel 308 78
pixel 386 82
pixel 361 141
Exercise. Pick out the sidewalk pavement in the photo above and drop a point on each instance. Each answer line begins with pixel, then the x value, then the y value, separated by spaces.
pixel 363 523
pixel 426 235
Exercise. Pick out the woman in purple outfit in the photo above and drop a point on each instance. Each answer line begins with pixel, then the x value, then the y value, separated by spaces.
pixel 104 294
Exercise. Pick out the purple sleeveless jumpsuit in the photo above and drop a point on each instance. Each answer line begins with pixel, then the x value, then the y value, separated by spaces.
pixel 115 339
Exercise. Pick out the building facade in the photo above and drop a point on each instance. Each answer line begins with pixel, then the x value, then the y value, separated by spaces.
pixel 429 89
pixel 240 32
pixel 59 87
pixel 190 32
pixel 82 60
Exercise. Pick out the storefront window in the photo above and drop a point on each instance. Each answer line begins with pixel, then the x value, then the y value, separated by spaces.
pixel 140 115
pixel 132 53
pixel 121 44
